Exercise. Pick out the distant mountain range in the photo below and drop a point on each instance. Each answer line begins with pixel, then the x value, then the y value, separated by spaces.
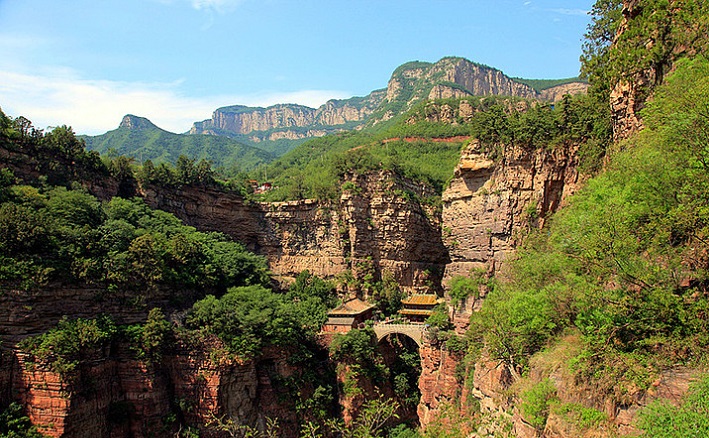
pixel 139 138
pixel 241 137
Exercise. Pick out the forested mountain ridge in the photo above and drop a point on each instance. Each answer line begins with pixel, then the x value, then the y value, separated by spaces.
pixel 575 270
pixel 140 139
pixel 410 83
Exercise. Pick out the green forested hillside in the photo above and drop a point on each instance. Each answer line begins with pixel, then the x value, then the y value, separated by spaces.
pixel 428 151
pixel 145 141
pixel 620 278
pixel 626 263
pixel 54 234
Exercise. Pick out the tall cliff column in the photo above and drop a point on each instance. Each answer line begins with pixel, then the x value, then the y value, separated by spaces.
pixel 491 204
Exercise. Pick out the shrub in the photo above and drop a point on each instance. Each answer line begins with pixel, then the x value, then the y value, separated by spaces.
pixel 536 402
pixel 660 419
pixel 71 340
pixel 15 424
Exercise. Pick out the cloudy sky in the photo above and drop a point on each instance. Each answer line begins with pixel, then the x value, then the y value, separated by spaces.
pixel 86 63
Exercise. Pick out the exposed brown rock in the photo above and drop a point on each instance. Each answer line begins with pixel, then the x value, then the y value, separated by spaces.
pixel 556 93
pixel 490 204
pixel 438 384
pixel 377 225
pixel 115 395
pixel 247 120
pixel 26 313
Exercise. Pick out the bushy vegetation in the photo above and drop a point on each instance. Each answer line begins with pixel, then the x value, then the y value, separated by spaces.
pixel 15 424
pixel 461 287
pixel 358 350
pixel 55 234
pixel 249 318
pixel 536 403
pixel 661 419
pixel 625 263
pixel 71 341
pixel 656 34
pixel 59 156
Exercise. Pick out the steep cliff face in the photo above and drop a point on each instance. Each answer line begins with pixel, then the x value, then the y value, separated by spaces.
pixel 379 225
pixel 449 77
pixel 627 98
pixel 130 121
pixel 28 313
pixel 410 83
pixel 388 225
pixel 288 121
pixel 479 80
pixel 439 385
pixel 211 210
pixel 490 204
pixel 117 395
pixel 243 120
pixel 555 94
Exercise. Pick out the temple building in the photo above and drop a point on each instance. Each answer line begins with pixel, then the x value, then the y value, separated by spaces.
pixel 348 315
pixel 417 308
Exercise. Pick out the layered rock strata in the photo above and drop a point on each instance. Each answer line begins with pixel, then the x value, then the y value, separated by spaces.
pixel 492 203
pixel 438 383
pixel 378 226
pixel 288 120
pixel 116 395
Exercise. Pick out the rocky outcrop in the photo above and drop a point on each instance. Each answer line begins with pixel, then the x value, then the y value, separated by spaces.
pixel 288 120
pixel 130 121
pixel 32 312
pixel 556 93
pixel 243 120
pixel 479 80
pixel 499 393
pixel 115 394
pixel 493 201
pixel 449 77
pixel 410 83
pixel 209 209
pixel 438 383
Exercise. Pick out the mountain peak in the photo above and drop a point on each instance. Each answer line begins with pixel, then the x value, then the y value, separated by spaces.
pixel 136 123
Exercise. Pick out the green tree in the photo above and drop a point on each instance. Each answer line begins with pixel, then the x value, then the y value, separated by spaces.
pixel 15 424
pixel 156 334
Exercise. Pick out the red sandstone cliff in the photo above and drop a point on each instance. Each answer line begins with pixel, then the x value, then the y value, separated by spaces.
pixel 114 394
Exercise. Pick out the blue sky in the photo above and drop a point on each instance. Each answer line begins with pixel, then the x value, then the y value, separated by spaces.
pixel 86 63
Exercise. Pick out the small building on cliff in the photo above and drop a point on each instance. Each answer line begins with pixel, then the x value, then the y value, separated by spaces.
pixel 348 315
pixel 417 308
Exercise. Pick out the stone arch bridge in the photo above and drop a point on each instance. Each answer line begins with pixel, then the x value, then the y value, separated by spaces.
pixel 413 331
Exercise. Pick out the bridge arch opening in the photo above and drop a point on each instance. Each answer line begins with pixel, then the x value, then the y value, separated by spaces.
pixel 401 353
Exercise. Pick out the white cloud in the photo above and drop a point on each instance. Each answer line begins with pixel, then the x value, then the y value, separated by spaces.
pixel 564 11
pixel 93 107
pixel 220 6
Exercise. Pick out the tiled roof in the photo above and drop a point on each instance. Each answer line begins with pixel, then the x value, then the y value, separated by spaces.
pixel 339 320
pixel 421 300
pixel 351 307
